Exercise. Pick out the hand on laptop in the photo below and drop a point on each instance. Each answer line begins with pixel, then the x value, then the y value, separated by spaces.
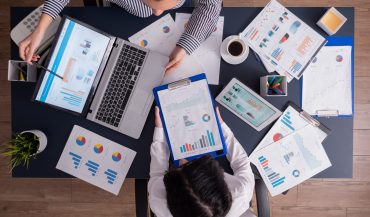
pixel 29 45
pixel 176 57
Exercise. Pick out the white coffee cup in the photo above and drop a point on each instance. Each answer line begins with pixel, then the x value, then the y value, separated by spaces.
pixel 237 47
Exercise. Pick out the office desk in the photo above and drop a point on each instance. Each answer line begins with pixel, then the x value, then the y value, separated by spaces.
pixel 57 125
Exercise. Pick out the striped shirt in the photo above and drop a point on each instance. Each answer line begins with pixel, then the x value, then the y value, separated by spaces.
pixel 201 24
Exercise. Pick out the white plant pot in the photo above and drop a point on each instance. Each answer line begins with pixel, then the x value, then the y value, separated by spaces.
pixel 42 139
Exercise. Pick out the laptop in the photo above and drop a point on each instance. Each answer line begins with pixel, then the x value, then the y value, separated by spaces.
pixel 101 77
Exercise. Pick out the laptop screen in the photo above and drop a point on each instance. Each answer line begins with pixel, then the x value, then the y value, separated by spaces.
pixel 77 56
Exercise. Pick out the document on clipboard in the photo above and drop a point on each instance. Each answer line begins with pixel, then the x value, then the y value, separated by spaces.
pixel 190 123
pixel 291 151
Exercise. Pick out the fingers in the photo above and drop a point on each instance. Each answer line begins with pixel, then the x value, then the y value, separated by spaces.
pixel 22 50
pixel 171 63
pixel 35 58
pixel 156 111
pixel 173 67
pixel 30 53
pixel 219 115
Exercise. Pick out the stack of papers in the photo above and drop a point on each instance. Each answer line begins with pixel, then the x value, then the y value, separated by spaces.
pixel 162 36
pixel 96 160
pixel 290 153
pixel 282 40
pixel 327 83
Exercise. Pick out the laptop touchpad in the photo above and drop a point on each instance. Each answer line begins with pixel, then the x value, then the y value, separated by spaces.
pixel 141 102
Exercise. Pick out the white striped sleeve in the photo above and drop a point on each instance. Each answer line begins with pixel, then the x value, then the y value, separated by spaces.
pixel 54 7
pixel 201 24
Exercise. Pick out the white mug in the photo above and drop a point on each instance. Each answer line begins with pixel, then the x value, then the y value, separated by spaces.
pixel 241 42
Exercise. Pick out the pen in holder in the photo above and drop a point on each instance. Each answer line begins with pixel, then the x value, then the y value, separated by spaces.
pixel 21 71
pixel 273 85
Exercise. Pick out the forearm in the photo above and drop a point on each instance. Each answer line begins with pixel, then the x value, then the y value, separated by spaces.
pixel 239 160
pixel 54 7
pixel 44 23
pixel 159 154
pixel 201 24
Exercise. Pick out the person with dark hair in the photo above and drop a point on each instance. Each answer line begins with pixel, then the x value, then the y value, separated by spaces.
pixel 199 188
pixel 201 24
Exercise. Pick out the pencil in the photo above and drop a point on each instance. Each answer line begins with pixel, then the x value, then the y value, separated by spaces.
pixel 40 66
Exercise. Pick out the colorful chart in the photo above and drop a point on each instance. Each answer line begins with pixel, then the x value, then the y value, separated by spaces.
pixel 80 140
pixel 277 136
pixel 286 121
pixel 76 159
pixel 206 117
pixel 284 38
pixel 296 173
pixel 277 53
pixel 143 43
pixel 111 176
pixel 339 58
pixel 205 141
pixel 166 29
pixel 273 176
pixel 92 167
pixel 98 148
pixel 116 156
pixel 294 27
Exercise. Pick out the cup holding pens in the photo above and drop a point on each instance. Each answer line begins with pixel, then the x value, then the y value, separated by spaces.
pixel 21 71
pixel 273 85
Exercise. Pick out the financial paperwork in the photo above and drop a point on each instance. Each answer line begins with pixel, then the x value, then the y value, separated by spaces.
pixel 190 120
pixel 281 37
pixel 327 82
pixel 162 36
pixel 208 54
pixel 96 159
pixel 292 159
pixel 288 123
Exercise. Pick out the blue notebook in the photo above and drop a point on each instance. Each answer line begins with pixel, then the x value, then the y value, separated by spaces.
pixel 189 119
pixel 334 41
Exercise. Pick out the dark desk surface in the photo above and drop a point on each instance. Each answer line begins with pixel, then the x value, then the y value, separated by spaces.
pixel 57 125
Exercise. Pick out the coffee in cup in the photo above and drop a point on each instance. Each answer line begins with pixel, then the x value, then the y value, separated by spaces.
pixel 236 47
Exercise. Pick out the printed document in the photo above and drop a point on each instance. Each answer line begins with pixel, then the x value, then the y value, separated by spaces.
pixel 292 159
pixel 280 36
pixel 327 82
pixel 96 160
pixel 162 36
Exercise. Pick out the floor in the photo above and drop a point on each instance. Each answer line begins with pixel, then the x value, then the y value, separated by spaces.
pixel 315 197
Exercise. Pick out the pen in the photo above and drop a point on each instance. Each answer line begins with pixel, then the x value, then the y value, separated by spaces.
pixel 40 66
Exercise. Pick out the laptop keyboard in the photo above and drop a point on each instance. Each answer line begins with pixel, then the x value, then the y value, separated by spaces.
pixel 120 86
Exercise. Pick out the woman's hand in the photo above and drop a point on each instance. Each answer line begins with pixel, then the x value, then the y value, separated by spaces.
pixel 158 121
pixel 176 58
pixel 219 116
pixel 29 45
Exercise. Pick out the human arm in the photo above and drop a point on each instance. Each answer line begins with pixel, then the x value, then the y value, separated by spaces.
pixel 29 45
pixel 239 163
pixel 159 154
pixel 201 24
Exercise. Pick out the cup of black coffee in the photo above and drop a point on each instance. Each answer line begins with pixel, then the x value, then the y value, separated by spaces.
pixel 236 47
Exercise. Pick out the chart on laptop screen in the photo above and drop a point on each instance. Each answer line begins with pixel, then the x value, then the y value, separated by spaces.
pixel 190 120
pixel 77 57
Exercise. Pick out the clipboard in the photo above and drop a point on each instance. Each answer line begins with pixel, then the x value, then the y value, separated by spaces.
pixel 289 123
pixel 208 142
pixel 337 41
pixel 294 157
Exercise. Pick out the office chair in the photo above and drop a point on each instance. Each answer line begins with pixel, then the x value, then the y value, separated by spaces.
pixel 143 210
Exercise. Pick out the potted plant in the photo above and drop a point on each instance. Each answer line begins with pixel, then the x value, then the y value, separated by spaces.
pixel 25 146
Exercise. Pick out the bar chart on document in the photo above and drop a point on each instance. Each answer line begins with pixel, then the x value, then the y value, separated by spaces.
pixel 190 120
